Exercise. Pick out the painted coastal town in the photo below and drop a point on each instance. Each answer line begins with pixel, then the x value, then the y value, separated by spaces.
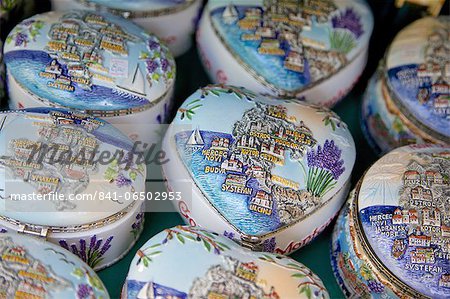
pixel 415 236
pixel 287 38
pixel 38 161
pixel 246 170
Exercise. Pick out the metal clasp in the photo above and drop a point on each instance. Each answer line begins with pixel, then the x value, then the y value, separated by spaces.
pixel 251 242
pixel 41 232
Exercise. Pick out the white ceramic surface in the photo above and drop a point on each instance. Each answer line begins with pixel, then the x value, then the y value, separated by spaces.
pixel 94 63
pixel 269 173
pixel 33 268
pixel 185 262
pixel 64 177
pixel 314 52
pixel 171 20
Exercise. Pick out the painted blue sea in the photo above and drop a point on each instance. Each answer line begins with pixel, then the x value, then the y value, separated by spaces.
pixel 268 66
pixel 159 291
pixel 99 98
pixel 232 205
pixel 408 96
pixel 424 282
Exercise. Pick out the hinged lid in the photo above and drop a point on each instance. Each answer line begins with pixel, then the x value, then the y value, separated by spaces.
pixel 89 61
pixel 186 262
pixel 262 164
pixel 404 211
pixel 418 74
pixel 291 46
pixel 33 268
pixel 63 169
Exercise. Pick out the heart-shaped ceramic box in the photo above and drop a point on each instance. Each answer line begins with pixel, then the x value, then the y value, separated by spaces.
pixel 392 240
pixel 171 20
pixel 187 262
pixel 313 50
pixel 65 177
pixel 94 63
pixel 408 99
pixel 33 268
pixel 271 173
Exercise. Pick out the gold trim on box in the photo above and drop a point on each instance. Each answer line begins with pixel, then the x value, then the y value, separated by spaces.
pixel 138 14
pixel 433 6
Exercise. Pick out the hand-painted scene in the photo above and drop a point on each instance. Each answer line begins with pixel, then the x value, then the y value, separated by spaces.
pixel 292 43
pixel 26 274
pixel 221 270
pixel 413 237
pixel 424 88
pixel 265 169
pixel 89 61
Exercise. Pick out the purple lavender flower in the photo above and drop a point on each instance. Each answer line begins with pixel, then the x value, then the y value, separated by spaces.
pixel 152 65
pixel 269 245
pixel 21 38
pixel 348 20
pixel 83 249
pixel 3 230
pixel 164 64
pixel 152 44
pixel 64 244
pixel 229 235
pixel 84 291
pixel 163 116
pixel 216 250
pixel 92 255
pixel 122 181
pixel 325 167
pixel 106 246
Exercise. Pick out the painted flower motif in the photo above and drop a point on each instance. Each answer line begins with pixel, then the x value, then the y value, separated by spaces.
pixel 229 235
pixel 137 225
pixel 161 118
pixel 152 44
pixel 325 167
pixel 91 255
pixel 152 65
pixel 84 291
pixel 349 20
pixel 21 39
pixel 269 245
pixel 122 181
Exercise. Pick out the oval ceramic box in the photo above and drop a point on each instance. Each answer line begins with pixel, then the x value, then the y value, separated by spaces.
pixel 392 240
pixel 413 88
pixel 312 50
pixel 269 173
pixel 69 178
pixel 186 262
pixel 33 268
pixel 171 20
pixel 94 63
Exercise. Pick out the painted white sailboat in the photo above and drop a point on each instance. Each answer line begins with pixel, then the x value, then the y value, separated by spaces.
pixel 195 139
pixel 230 14
pixel 147 291
pixel 135 84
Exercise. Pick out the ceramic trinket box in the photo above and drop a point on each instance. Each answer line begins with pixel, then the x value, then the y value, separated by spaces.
pixel 408 100
pixel 2 75
pixel 392 239
pixel 311 50
pixel 69 178
pixel 271 173
pixel 33 268
pixel 187 262
pixel 171 20
pixel 95 63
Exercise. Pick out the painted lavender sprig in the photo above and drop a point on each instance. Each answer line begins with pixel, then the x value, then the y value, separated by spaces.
pixel 325 167
pixel 93 254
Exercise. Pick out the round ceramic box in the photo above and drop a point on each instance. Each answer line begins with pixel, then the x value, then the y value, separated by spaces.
pixel 392 240
pixel 269 173
pixel 69 178
pixel 171 20
pixel 164 268
pixel 94 63
pixel 310 50
pixel 409 102
pixel 33 268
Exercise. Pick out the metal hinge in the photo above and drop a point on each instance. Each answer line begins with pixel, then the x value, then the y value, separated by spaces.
pixel 251 242
pixel 41 232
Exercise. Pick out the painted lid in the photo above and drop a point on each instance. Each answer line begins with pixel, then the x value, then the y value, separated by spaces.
pixel 262 163
pixel 418 74
pixel 405 215
pixel 33 268
pixel 291 46
pixel 139 6
pixel 89 61
pixel 70 166
pixel 189 262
